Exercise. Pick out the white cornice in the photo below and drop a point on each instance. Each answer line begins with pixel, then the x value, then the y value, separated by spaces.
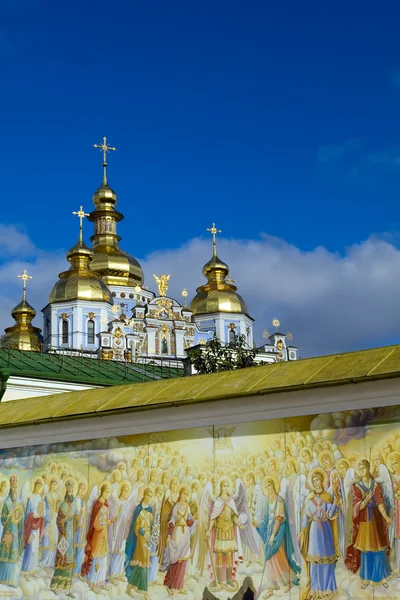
pixel 253 408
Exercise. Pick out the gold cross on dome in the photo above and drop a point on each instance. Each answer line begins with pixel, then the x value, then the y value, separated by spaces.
pixel 105 148
pixel 24 278
pixel 81 214
pixel 213 230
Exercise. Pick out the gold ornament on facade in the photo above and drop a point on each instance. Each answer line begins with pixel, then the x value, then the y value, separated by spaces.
pixel 162 283
pixel 276 323
pixel 185 295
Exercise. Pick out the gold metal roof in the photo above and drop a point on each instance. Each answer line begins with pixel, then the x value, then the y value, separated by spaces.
pixel 366 365
pixel 23 335
pixel 80 282
pixel 217 295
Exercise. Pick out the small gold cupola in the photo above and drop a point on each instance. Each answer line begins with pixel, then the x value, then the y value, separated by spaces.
pixel 112 264
pixel 218 294
pixel 80 282
pixel 23 335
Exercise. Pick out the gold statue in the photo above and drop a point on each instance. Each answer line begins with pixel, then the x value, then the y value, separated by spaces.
pixel 162 283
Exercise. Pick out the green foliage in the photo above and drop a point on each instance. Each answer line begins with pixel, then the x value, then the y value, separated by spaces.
pixel 215 356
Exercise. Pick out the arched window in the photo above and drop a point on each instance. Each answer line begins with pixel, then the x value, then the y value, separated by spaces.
pixel 65 331
pixel 232 337
pixel 90 331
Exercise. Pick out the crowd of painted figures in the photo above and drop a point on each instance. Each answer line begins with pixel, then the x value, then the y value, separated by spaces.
pixel 296 507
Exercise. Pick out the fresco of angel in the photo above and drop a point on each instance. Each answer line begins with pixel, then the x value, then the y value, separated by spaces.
pixel 368 554
pixel 122 507
pixel 3 497
pixel 181 528
pixel 95 562
pixel 278 533
pixel 169 500
pixel 50 533
pixel 12 539
pixel 227 522
pixel 393 461
pixel 319 540
pixel 34 526
pixel 81 525
pixel 137 550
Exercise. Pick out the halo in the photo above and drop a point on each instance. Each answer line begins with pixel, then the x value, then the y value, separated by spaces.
pixel 325 453
pixel 74 483
pixel 391 457
pixel 305 449
pixel 292 460
pixel 38 480
pixel 225 478
pixel 274 480
pixel 317 471
pixel 114 471
pixel 362 458
pixel 125 482
pixel 54 478
pixel 341 460
pixel 80 481
pixel 274 460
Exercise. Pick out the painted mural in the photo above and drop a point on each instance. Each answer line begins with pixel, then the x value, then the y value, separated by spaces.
pixel 304 508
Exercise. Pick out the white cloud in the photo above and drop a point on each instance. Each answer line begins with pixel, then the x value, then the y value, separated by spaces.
pixel 330 302
pixel 14 242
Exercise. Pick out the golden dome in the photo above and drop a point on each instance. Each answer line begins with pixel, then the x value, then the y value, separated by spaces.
pixel 80 282
pixel 112 264
pixel 23 335
pixel 217 295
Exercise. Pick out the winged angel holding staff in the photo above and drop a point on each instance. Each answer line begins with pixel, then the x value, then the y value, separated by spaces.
pixel 226 521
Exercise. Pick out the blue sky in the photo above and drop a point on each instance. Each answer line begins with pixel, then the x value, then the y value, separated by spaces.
pixel 271 119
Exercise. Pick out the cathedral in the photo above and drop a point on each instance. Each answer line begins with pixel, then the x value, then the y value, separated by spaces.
pixel 100 305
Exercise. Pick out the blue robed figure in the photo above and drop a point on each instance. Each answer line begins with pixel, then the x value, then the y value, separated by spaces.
pixel 319 539
pixel 281 568
pixel 137 549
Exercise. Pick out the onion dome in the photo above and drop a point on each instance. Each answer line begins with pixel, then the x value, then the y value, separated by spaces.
pixel 80 282
pixel 112 264
pixel 23 335
pixel 218 294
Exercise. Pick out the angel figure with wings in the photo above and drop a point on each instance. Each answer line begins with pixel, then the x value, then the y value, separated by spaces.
pixel 278 533
pixel 34 526
pixel 181 528
pixel 319 543
pixel 122 507
pixel 137 549
pixel 393 461
pixel 369 551
pixel 227 522
pixel 162 283
pixel 12 539
pixel 82 525
pixel 95 562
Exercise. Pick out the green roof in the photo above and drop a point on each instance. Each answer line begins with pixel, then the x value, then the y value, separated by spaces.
pixel 77 369
pixel 353 367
